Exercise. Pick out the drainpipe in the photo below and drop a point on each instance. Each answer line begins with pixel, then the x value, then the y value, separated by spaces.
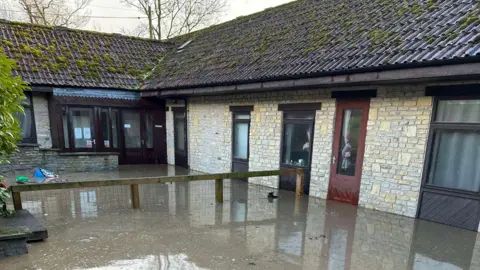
pixel 186 129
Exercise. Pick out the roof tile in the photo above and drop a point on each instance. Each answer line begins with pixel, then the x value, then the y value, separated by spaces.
pixel 75 58
pixel 313 37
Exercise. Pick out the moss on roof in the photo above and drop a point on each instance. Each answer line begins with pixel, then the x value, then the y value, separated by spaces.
pixel 311 36
pixel 70 57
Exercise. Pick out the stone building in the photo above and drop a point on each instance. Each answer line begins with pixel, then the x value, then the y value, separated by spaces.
pixel 374 99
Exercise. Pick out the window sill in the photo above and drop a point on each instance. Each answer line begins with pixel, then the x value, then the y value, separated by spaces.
pixel 89 154
pixel 28 145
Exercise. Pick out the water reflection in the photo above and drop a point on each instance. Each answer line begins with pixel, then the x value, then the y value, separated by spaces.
pixel 181 227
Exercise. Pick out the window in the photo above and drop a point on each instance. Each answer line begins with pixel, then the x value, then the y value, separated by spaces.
pixel 347 156
pixel 82 125
pixel 90 129
pixel 455 153
pixel 179 126
pixel 241 122
pixel 131 120
pixel 297 138
pixel 27 122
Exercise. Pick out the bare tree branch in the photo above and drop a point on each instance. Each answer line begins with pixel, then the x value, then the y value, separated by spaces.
pixel 57 12
pixel 176 17
pixel 139 31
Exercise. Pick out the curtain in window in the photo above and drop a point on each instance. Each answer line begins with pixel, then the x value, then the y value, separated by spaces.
pixel 456 160
pixel 459 111
pixel 240 149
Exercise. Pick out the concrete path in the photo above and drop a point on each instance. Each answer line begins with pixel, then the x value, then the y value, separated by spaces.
pixel 181 227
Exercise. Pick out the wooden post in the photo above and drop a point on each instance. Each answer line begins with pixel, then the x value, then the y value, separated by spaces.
pixel 219 190
pixel 135 196
pixel 17 200
pixel 300 181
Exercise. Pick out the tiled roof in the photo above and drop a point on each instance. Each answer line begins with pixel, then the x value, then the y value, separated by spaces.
pixel 66 57
pixel 314 37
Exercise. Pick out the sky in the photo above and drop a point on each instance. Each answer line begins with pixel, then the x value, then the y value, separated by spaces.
pixel 114 8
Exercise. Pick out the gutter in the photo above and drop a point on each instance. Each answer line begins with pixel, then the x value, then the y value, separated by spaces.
pixel 467 71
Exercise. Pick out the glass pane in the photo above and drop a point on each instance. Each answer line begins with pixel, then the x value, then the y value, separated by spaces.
pixel 180 133
pixel 66 139
pixel 242 116
pixel 240 147
pixel 464 111
pixel 149 130
pixel 25 122
pixel 106 129
pixel 456 159
pixel 300 115
pixel 296 144
pixel 131 126
pixel 115 130
pixel 347 157
pixel 82 128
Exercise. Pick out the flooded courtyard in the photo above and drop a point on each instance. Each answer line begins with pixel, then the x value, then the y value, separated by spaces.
pixel 180 226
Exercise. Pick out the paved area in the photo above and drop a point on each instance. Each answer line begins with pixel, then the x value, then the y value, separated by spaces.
pixel 181 227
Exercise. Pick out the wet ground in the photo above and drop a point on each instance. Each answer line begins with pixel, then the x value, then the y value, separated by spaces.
pixel 181 227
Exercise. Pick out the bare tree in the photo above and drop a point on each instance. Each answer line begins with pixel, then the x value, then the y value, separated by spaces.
pixel 139 31
pixel 167 18
pixel 6 11
pixel 57 12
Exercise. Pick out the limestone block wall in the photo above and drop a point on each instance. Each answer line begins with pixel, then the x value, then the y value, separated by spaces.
pixel 30 157
pixel 42 120
pixel 170 138
pixel 397 133
pixel 210 133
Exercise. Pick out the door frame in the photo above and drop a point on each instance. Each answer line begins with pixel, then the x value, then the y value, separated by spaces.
pixel 341 105
pixel 302 108
pixel 185 152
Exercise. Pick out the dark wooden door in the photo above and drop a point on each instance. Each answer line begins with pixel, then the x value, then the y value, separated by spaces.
pixel 348 149
pixel 240 142
pixel 143 137
pixel 180 137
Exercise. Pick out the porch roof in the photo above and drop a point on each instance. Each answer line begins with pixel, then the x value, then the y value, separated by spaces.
pixel 309 38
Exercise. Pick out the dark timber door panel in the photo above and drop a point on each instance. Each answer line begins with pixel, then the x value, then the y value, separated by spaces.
pixel 348 149
pixel 450 210
pixel 180 136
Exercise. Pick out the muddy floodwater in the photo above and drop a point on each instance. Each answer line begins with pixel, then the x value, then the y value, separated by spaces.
pixel 180 226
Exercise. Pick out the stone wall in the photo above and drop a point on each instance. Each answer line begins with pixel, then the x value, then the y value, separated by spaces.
pixel 170 138
pixel 397 133
pixel 396 138
pixel 31 157
pixel 210 133
pixel 42 120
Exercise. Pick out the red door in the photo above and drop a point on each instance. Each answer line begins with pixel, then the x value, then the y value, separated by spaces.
pixel 348 149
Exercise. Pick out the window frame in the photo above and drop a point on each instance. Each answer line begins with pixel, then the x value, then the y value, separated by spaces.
pixel 32 139
pixel 96 120
pixel 241 121
pixel 297 121
pixel 435 128
pixel 184 119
